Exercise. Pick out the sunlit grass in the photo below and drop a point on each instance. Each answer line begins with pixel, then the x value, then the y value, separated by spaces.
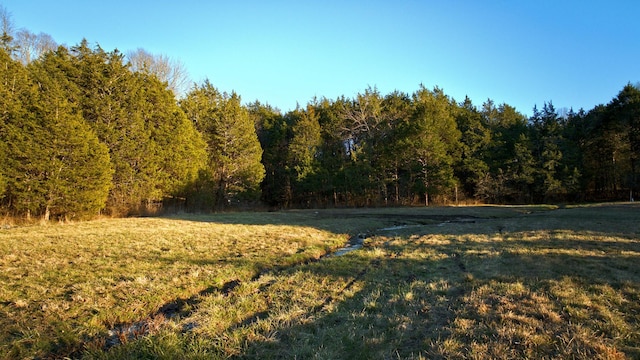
pixel 74 282
pixel 468 282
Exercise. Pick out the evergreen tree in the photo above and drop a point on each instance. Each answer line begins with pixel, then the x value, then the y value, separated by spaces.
pixel 521 171
pixel 177 149
pixel 431 139
pixel 155 151
pixel 546 131
pixel 57 166
pixel 570 170
pixel 611 148
pixel 273 133
pixel 110 98
pixel 397 109
pixel 625 108
pixel 14 89
pixel 333 153
pixel 603 148
pixel 303 151
pixel 234 171
pixel 474 144
pixel 508 152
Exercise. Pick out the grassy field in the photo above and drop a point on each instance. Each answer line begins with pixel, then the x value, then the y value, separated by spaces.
pixel 449 283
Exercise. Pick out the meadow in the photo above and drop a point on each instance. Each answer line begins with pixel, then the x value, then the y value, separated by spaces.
pixel 479 282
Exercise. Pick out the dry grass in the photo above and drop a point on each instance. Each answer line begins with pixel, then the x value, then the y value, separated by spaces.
pixel 64 286
pixel 457 283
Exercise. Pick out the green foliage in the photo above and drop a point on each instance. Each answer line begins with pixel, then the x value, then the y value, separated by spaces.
pixel 303 151
pixel 156 152
pixel 81 132
pixel 303 147
pixel 273 133
pixel 74 107
pixel 333 156
pixel 397 148
pixel 431 139
pixel 475 140
pixel 179 151
pixel 625 109
pixel 397 110
pixel 111 99
pixel 234 170
pixel 610 146
pixel 55 164
pixel 12 81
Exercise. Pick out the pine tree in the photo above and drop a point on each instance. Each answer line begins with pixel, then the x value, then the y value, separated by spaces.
pixel 303 151
pixel 333 153
pixel 274 136
pixel 474 144
pixel 431 139
pixel 625 108
pixel 546 136
pixel 612 146
pixel 397 108
pixel 14 88
pixel 507 153
pixel 235 169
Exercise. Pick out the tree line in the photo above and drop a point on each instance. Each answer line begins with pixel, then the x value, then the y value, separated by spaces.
pixel 85 131
pixel 424 148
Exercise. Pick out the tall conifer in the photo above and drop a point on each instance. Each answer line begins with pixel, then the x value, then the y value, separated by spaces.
pixel 235 169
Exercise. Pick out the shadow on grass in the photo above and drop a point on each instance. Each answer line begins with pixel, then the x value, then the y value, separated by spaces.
pixel 511 285
pixel 613 219
pixel 395 311
pixel 354 221
pixel 492 298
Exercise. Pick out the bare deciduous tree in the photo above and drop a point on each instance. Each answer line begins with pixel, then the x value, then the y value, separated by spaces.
pixel 172 71
pixel 30 46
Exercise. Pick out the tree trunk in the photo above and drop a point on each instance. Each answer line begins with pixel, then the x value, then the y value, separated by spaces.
pixel 397 186
pixel 47 214
pixel 221 193
pixel 385 193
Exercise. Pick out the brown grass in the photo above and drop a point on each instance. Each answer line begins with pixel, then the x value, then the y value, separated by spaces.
pixel 473 282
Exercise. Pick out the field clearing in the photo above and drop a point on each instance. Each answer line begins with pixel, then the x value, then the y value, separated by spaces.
pixel 453 282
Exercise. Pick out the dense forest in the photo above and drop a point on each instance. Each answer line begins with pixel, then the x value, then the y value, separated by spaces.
pixel 84 131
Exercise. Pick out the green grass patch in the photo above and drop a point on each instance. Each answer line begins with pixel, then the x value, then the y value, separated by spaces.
pixel 454 282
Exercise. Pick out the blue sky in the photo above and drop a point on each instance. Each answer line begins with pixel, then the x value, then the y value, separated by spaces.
pixel 574 53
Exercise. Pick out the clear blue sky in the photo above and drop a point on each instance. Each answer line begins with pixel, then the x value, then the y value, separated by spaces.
pixel 574 53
